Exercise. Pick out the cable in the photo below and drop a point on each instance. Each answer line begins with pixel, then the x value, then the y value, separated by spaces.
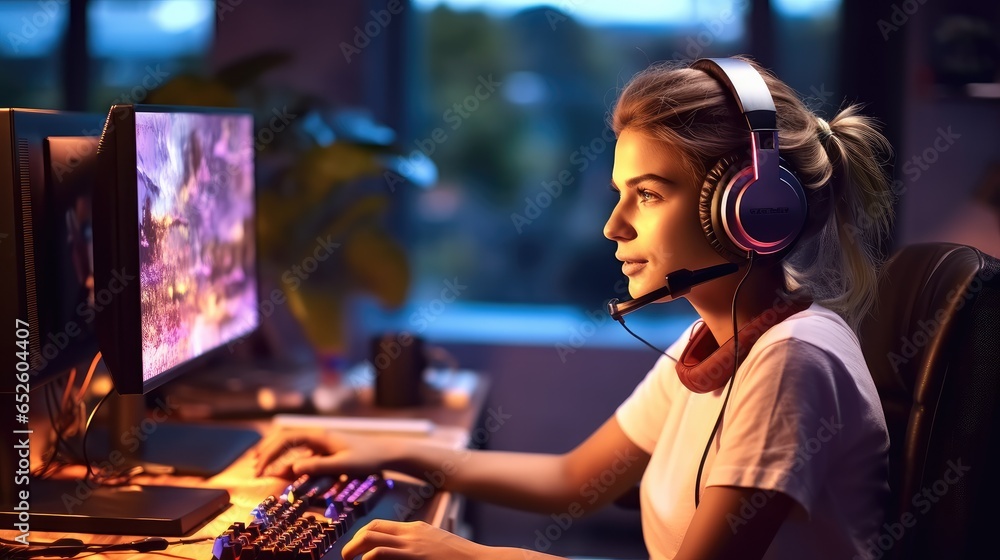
pixel 41 471
pixel 69 385
pixel 86 429
pixel 732 381
pixel 86 380
pixel 58 419
pixel 69 548
pixel 643 340
pixel 149 544
pixel 50 399
pixel 112 479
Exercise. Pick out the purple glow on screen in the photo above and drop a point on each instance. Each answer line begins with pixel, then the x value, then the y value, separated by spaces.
pixel 196 242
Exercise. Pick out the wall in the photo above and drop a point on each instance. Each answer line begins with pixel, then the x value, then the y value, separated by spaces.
pixel 310 31
pixel 553 407
pixel 948 143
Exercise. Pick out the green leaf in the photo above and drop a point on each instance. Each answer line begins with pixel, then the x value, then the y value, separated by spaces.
pixel 380 265
pixel 333 225
pixel 363 211
pixel 320 312
pixel 324 168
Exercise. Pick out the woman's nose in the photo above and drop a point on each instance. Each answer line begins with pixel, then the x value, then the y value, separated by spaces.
pixel 618 227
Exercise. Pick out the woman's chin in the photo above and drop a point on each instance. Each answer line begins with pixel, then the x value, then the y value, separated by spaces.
pixel 643 284
pixel 637 288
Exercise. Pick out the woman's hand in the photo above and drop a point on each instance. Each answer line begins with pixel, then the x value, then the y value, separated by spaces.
pixel 333 453
pixel 392 540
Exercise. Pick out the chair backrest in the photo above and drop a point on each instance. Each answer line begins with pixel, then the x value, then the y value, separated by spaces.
pixel 933 347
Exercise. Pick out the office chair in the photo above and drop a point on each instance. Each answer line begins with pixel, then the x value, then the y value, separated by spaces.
pixel 931 347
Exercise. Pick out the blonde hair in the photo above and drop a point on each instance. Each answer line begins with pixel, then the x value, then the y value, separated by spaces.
pixel 837 259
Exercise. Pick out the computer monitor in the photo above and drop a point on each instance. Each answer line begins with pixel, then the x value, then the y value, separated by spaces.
pixel 175 274
pixel 176 221
pixel 46 287
pixel 47 161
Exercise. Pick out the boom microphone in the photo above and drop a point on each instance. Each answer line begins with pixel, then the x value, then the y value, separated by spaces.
pixel 679 282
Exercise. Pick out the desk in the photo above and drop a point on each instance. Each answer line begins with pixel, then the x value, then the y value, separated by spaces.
pixel 246 490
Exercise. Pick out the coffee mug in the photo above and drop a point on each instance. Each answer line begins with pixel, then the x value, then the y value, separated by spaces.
pixel 399 360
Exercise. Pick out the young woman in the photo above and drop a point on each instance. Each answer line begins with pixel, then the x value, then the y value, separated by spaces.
pixel 788 457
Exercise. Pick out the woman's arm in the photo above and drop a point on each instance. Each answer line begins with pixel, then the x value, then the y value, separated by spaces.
pixel 600 469
pixel 417 540
pixel 593 474
pixel 723 527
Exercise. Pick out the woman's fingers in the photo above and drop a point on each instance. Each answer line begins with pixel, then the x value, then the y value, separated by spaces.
pixel 369 538
pixel 414 540
pixel 277 444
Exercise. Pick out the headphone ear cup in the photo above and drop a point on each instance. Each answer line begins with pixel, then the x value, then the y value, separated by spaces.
pixel 710 206
pixel 731 175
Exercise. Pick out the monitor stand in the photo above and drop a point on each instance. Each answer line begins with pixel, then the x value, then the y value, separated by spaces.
pixel 81 506
pixel 159 444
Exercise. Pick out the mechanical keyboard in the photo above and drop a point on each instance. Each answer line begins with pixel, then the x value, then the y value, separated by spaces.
pixel 315 516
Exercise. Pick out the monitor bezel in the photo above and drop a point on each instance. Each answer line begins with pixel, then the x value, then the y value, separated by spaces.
pixel 122 333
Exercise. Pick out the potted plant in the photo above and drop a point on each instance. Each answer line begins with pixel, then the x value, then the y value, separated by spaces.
pixel 324 180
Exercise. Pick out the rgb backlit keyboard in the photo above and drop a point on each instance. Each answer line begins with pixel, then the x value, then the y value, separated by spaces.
pixel 315 516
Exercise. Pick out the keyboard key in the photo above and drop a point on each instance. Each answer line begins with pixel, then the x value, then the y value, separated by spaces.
pixel 313 518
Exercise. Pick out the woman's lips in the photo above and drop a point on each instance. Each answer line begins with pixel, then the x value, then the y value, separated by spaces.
pixel 630 268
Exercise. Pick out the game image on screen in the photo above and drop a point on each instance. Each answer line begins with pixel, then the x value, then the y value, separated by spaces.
pixel 196 234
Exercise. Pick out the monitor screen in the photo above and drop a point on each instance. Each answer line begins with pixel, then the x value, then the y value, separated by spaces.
pixel 174 239
pixel 195 193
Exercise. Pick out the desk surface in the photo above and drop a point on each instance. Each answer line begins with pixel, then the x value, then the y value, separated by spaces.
pixel 246 490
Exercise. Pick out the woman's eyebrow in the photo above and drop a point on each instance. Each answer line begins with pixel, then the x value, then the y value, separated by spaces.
pixel 631 183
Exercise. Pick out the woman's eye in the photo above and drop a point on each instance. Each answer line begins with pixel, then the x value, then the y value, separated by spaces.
pixel 646 196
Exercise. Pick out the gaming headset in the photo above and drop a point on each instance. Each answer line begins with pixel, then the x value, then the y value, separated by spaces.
pixel 753 203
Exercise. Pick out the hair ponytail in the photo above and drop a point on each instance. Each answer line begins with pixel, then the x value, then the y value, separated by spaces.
pixel 862 215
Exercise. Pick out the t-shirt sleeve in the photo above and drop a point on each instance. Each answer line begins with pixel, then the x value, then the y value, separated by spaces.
pixel 781 424
pixel 643 413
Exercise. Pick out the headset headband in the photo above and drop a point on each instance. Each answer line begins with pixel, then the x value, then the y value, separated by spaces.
pixel 754 100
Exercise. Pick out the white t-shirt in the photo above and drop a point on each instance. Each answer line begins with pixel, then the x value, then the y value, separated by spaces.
pixel 804 419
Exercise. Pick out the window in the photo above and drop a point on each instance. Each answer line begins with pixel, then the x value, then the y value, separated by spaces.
pixel 806 42
pixel 134 46
pixel 137 46
pixel 30 63
pixel 511 100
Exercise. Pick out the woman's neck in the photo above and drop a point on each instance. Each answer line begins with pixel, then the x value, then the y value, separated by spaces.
pixel 763 289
